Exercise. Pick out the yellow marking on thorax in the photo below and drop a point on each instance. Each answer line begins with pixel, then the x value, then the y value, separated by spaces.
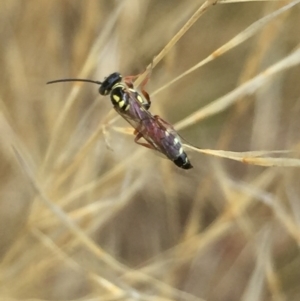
pixel 121 103
pixel 116 97
pixel 138 95
pixel 140 98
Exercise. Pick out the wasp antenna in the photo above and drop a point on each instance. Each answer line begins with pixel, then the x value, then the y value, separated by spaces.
pixel 74 80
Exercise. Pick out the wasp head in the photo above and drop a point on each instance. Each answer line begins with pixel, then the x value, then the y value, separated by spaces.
pixel 109 82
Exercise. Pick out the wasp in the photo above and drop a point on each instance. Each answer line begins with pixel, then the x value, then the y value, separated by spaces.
pixel 134 106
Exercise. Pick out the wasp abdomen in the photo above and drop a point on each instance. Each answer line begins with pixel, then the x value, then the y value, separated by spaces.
pixel 182 161
pixel 174 150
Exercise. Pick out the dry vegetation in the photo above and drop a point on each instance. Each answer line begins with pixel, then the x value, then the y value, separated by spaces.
pixel 81 222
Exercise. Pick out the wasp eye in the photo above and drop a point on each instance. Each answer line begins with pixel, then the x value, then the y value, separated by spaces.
pixel 103 90
pixel 109 82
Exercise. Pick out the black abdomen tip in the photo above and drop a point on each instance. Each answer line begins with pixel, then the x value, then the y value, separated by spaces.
pixel 183 162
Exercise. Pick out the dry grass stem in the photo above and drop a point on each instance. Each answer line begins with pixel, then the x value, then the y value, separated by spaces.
pixel 86 214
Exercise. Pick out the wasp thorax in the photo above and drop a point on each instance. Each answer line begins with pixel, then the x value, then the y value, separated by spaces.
pixel 109 82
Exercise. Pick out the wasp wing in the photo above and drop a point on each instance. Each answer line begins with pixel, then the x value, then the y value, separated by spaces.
pixel 137 115
pixel 157 132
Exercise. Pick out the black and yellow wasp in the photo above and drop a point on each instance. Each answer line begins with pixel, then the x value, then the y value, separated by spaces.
pixel 134 106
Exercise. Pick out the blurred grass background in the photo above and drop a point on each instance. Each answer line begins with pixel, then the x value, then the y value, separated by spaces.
pixel 96 224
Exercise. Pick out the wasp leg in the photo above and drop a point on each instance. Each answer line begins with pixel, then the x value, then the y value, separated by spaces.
pixel 129 82
pixel 138 137
pixel 143 85
pixel 147 97
pixel 130 79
